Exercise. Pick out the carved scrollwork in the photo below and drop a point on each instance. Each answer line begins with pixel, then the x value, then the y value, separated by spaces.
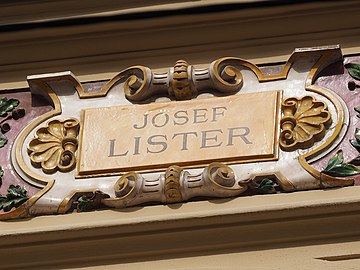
pixel 126 184
pixel 181 82
pixel 225 75
pixel 220 174
pixel 175 185
pixel 303 123
pixel 54 146
pixel 137 82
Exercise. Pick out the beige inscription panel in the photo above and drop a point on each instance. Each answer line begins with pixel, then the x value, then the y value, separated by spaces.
pixel 240 128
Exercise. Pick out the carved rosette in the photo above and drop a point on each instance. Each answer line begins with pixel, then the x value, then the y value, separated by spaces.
pixel 53 148
pixel 304 122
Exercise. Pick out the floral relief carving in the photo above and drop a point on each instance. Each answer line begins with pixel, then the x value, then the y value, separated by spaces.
pixel 53 148
pixel 303 123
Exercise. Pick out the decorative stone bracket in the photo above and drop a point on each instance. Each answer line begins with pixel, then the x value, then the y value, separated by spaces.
pixel 176 185
pixel 181 82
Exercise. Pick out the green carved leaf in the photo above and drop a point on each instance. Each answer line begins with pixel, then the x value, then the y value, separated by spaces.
pixel 267 186
pixel 357 134
pixel 356 142
pixel 334 161
pixel 7 205
pixel 7 105
pixel 84 203
pixel 16 192
pixel 14 198
pixel 336 167
pixel 344 169
pixel 354 70
pixel 3 140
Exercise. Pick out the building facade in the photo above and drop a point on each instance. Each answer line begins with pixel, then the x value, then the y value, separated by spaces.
pixel 227 49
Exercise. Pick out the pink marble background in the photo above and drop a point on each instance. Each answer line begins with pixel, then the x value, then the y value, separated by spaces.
pixel 34 107
pixel 336 78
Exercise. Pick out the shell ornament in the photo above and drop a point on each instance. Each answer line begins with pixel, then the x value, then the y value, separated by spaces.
pixel 304 122
pixel 53 148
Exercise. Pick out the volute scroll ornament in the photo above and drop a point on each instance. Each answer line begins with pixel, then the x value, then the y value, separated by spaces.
pixel 125 184
pixel 175 185
pixel 220 174
pixel 137 79
pixel 54 146
pixel 226 74
pixel 182 82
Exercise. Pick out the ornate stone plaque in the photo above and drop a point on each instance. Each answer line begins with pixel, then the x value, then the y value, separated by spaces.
pixel 187 133
pixel 230 129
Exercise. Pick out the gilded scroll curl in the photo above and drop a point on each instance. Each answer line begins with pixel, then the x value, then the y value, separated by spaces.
pixel 175 185
pixel 303 123
pixel 225 75
pixel 137 83
pixel 54 146
pixel 181 82
pixel 220 174
pixel 125 184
